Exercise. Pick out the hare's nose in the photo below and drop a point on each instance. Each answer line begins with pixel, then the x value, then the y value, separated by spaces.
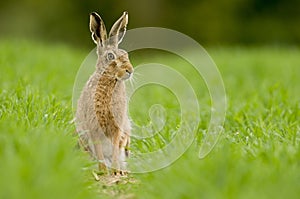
pixel 127 71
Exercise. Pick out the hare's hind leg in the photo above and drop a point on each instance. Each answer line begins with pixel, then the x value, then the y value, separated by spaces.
pixel 92 144
pixel 82 141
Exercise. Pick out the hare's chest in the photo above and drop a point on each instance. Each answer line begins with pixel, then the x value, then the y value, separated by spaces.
pixel 119 103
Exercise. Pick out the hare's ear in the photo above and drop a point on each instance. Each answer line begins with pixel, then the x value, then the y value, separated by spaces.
pixel 97 29
pixel 118 30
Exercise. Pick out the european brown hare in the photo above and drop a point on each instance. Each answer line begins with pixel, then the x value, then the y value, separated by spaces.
pixel 101 118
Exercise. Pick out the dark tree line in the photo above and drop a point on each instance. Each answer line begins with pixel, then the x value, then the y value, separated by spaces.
pixel 208 21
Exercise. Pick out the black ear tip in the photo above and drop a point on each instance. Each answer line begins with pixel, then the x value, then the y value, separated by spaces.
pixel 94 14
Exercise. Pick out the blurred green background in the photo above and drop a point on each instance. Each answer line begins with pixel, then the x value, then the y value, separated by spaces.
pixel 254 43
pixel 211 22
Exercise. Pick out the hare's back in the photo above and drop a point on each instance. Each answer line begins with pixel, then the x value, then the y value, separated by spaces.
pixel 85 114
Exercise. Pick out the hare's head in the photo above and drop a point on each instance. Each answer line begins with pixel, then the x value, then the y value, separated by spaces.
pixel 112 61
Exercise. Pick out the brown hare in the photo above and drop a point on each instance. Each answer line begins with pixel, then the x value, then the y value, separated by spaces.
pixel 101 117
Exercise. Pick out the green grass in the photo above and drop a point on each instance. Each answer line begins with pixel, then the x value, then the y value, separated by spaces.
pixel 258 156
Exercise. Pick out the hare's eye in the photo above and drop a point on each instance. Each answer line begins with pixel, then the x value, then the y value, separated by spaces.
pixel 110 56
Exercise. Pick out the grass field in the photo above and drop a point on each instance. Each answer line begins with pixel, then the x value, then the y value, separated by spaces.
pixel 258 156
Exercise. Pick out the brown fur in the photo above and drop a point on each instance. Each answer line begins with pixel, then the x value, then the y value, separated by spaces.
pixel 101 117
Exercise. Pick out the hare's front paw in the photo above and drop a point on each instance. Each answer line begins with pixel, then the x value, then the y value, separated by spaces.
pixel 118 172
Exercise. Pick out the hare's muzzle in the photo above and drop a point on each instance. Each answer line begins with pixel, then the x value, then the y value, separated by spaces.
pixel 129 70
pixel 126 72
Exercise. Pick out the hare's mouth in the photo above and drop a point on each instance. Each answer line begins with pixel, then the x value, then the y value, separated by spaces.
pixel 126 75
